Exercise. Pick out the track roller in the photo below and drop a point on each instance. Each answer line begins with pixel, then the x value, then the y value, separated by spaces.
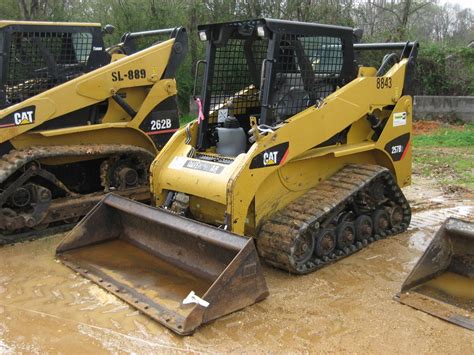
pixel 325 242
pixel 345 235
pixel 363 227
pixel 381 221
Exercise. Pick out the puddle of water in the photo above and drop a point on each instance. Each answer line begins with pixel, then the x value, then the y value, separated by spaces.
pixel 45 307
pixel 103 297
pixel 435 217
pixel 5 349
pixel 454 285
pixel 448 296
pixel 420 240
pixel 465 210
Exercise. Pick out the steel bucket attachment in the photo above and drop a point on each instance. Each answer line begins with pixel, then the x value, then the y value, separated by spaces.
pixel 442 281
pixel 179 272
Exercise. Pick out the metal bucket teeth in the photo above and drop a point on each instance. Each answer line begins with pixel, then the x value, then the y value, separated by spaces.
pixel 179 272
pixel 442 281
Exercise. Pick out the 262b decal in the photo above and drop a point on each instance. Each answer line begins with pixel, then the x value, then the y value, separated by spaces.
pixel 132 74
pixel 384 83
pixel 161 123
pixel 156 125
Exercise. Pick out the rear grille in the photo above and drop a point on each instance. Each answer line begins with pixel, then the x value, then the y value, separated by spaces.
pixel 213 158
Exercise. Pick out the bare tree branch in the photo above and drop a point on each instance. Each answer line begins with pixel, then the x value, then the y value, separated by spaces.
pixel 24 10
pixel 420 7
pixel 386 9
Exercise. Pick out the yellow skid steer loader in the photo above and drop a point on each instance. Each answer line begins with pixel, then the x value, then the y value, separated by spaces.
pixel 298 155
pixel 77 120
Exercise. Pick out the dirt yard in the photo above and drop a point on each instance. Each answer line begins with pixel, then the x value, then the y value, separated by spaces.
pixel 346 307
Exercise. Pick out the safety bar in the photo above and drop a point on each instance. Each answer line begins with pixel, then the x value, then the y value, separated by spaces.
pixel 128 39
pixel 382 46
pixel 134 35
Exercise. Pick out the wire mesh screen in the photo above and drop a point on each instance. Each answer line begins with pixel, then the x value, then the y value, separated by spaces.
pixel 307 69
pixel 38 61
pixel 236 76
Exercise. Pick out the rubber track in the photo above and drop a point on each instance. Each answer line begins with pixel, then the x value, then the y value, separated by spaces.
pixel 16 159
pixel 277 236
pixel 11 240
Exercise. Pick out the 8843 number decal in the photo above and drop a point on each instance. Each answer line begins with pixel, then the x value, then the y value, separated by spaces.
pixel 384 83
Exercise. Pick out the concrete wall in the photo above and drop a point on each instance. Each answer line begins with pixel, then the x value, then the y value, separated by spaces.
pixel 426 107
pixel 444 107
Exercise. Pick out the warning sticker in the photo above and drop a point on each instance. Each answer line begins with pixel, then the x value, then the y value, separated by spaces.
pixel 399 119
pixel 177 163
pixel 183 162
pixel 203 166
pixel 222 115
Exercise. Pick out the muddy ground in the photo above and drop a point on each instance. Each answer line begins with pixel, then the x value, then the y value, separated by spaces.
pixel 346 307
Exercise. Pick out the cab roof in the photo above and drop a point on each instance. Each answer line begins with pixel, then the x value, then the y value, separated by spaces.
pixel 6 23
pixel 280 26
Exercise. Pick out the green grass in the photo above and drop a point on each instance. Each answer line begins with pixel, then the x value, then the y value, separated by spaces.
pixel 447 155
pixel 448 137
pixel 184 119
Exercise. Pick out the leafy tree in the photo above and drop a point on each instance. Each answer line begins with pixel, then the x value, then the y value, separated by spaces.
pixel 444 67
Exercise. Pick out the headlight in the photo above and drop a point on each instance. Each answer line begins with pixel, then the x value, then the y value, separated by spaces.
pixel 261 31
pixel 203 36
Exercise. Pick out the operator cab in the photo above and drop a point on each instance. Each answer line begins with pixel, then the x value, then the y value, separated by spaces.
pixel 269 69
pixel 36 56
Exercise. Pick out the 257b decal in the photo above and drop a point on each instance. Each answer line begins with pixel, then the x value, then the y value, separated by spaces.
pixel 132 74
pixel 398 147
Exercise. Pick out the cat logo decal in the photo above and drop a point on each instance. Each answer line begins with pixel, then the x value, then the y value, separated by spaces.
pixel 275 155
